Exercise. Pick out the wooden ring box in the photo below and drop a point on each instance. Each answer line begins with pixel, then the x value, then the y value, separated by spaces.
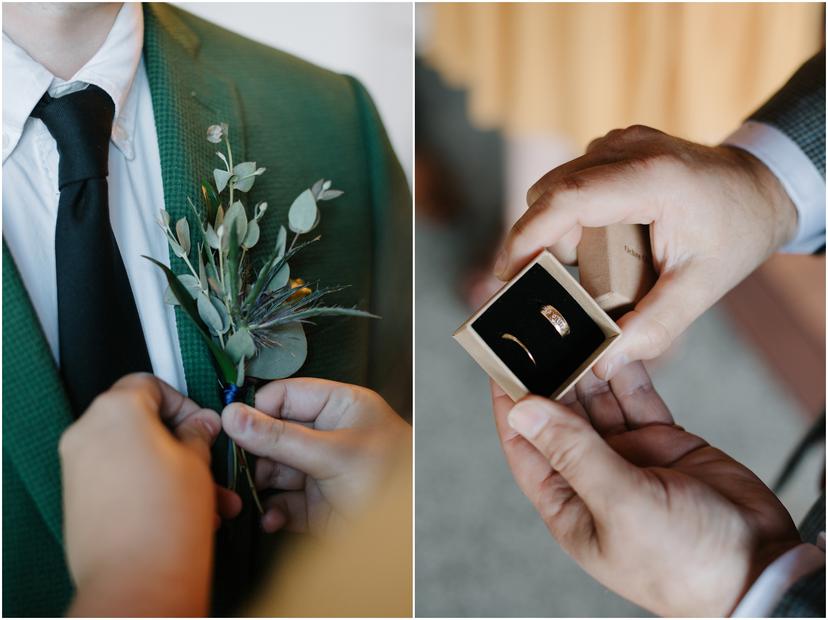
pixel 556 362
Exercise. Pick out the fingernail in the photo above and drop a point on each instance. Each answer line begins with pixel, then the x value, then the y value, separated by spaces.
pixel 242 420
pixel 527 419
pixel 500 263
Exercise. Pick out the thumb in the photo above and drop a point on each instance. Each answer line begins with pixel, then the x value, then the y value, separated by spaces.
pixel 313 452
pixel 598 474
pixel 676 300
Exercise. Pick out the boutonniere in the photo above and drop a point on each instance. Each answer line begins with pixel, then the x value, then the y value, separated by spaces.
pixel 250 315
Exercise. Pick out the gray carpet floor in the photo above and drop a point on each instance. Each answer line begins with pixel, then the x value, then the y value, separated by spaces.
pixel 480 548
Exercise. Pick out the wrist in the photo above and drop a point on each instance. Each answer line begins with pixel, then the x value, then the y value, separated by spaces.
pixel 768 190
pixel 762 558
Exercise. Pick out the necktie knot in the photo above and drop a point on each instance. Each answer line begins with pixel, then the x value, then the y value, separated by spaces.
pixel 81 124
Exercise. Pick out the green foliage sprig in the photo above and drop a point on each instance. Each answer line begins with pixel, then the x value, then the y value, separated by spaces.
pixel 251 317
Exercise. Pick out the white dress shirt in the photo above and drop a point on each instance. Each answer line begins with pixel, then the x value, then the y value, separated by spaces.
pixel 30 191
pixel 779 577
pixel 806 188
pixel 800 178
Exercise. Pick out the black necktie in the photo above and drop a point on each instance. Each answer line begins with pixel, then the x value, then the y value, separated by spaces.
pixel 100 336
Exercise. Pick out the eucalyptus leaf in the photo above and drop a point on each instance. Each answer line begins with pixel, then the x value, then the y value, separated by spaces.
pixel 303 214
pixel 326 185
pixel 169 297
pixel 190 283
pixel 199 215
pixel 176 247
pixel 330 194
pixel 252 236
pixel 240 345
pixel 280 278
pixel 218 304
pixel 232 265
pixel 219 217
pixel 239 383
pixel 245 184
pixel 212 237
pixel 222 178
pixel 245 168
pixel 246 173
pixel 281 242
pixel 208 313
pixel 165 217
pixel 283 360
pixel 211 200
pixel 317 188
pixel 202 272
pixel 224 365
pixel 182 231
pixel 224 239
pixel 215 286
pixel 238 216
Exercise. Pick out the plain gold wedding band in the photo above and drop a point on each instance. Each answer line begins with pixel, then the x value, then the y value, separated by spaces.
pixel 514 339
pixel 551 314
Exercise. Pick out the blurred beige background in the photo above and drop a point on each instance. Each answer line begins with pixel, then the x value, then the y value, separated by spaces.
pixel 371 41
pixel 582 69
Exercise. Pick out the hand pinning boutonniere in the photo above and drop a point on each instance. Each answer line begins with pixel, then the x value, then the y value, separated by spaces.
pixel 250 315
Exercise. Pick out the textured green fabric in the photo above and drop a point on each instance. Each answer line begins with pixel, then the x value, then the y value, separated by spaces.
pixel 302 123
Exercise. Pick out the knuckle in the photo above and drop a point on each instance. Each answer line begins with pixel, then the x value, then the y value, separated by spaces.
pixel 570 184
pixel 519 227
pixel 639 131
pixel 532 194
pixel 613 135
pixel 595 390
pixel 562 435
pixel 566 457
pixel 136 380
pixel 272 427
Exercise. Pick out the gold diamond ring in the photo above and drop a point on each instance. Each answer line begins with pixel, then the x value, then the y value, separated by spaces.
pixel 514 339
pixel 551 314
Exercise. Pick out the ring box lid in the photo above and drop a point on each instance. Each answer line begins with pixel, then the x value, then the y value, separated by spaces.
pixel 605 330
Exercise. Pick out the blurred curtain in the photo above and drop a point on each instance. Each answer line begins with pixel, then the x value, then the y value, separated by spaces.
pixel 579 70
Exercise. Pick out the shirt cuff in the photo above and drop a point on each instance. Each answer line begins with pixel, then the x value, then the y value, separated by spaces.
pixel 777 578
pixel 800 178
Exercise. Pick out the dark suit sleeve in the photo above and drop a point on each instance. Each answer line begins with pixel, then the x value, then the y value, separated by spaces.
pixel 806 598
pixel 798 110
pixel 390 366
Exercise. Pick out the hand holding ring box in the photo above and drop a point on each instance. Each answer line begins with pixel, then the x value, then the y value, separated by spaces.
pixel 539 333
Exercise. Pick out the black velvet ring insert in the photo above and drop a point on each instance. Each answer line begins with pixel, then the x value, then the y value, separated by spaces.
pixel 517 312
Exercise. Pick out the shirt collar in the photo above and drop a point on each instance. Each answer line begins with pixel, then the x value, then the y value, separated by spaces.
pixel 112 68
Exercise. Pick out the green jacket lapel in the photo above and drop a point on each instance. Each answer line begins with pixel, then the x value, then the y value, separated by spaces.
pixel 35 408
pixel 187 97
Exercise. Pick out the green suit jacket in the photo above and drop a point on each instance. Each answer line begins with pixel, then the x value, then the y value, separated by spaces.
pixel 302 123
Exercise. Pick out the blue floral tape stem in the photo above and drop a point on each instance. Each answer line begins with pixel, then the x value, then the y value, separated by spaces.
pixel 231 393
